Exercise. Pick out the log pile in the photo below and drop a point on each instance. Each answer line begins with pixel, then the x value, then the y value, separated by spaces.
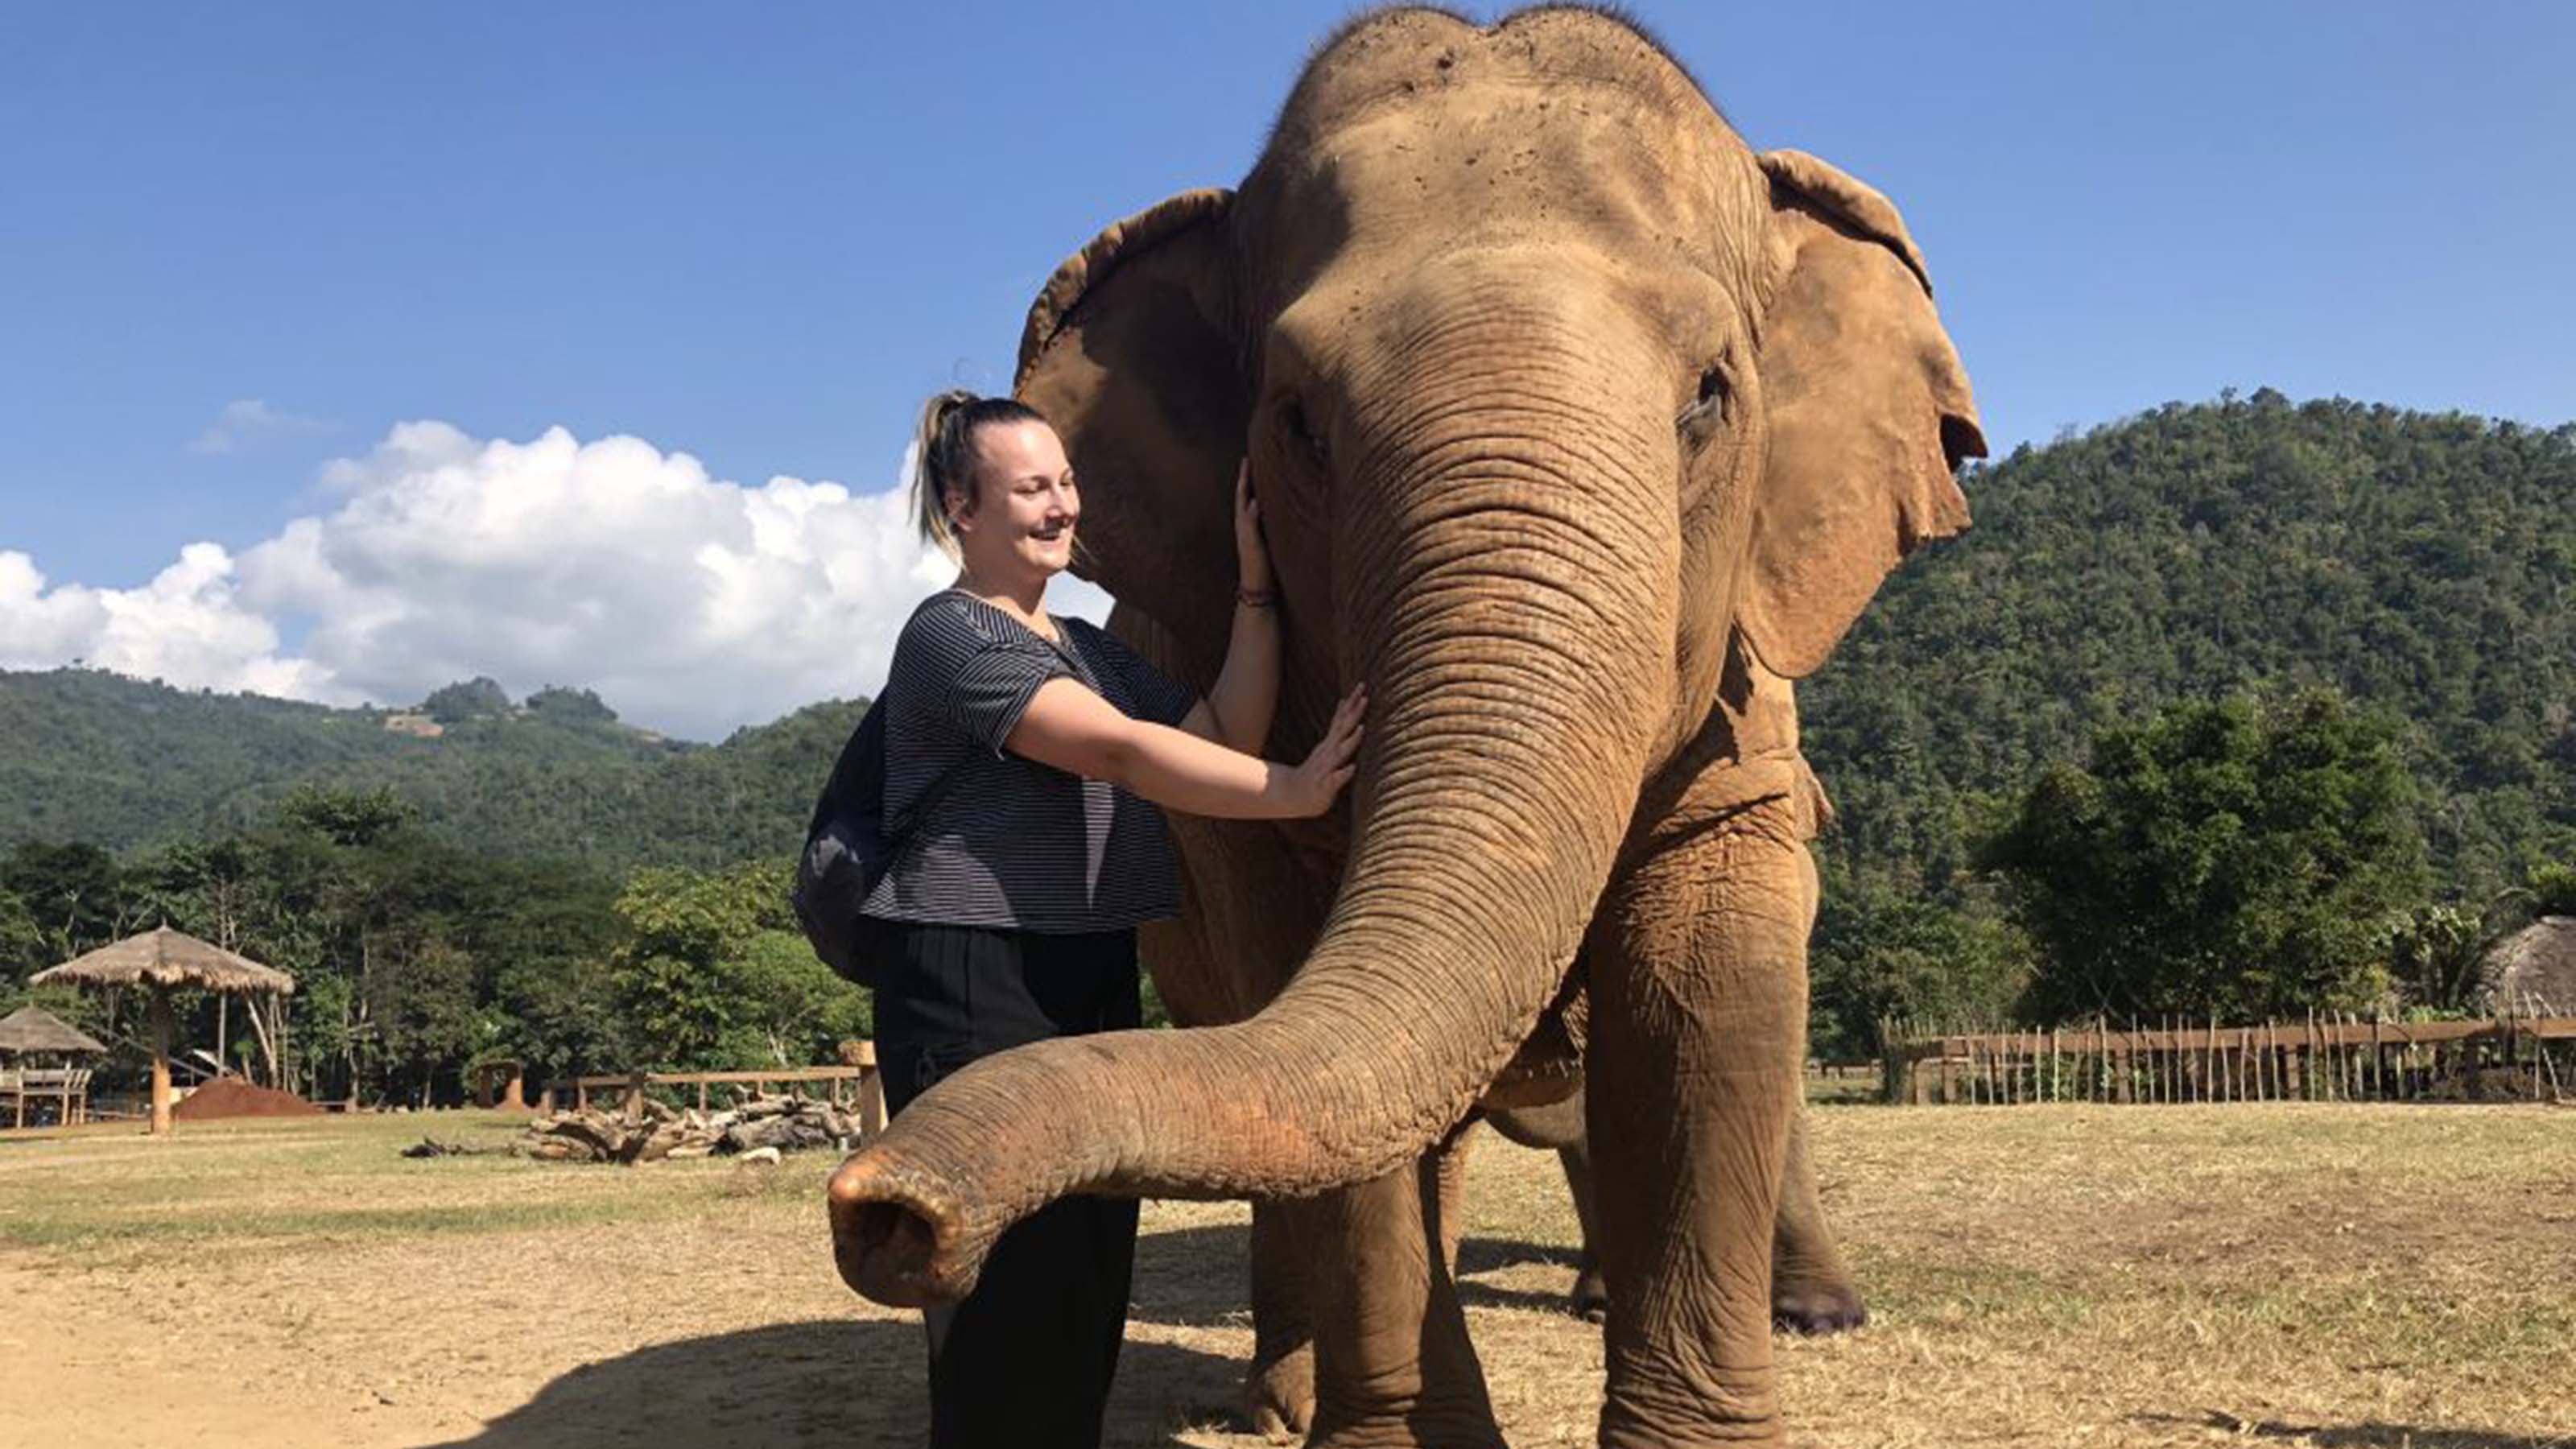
pixel 655 1131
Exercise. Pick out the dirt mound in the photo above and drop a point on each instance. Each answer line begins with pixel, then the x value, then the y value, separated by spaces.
pixel 233 1097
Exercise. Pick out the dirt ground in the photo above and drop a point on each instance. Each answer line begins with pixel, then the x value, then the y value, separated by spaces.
pixel 2346 1277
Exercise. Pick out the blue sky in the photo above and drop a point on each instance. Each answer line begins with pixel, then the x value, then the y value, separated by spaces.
pixel 758 234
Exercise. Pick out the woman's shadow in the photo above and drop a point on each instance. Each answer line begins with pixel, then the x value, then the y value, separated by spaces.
pixel 861 1384
pixel 850 1384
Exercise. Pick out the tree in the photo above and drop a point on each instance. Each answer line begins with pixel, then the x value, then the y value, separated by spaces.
pixel 561 1017
pixel 2442 958
pixel 682 927
pixel 22 945
pixel 420 989
pixel 2553 890
pixel 2232 858
pixel 795 1008
pixel 73 890
pixel 1885 953
pixel 567 705
pixel 476 698
pixel 347 817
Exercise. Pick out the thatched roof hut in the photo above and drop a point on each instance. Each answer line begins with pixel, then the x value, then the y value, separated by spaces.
pixel 2534 969
pixel 166 958
pixel 34 1029
pixel 161 960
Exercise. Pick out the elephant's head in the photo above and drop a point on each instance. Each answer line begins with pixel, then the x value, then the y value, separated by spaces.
pixel 1556 394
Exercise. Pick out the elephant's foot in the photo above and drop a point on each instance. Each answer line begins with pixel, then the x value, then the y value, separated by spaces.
pixel 1279 1395
pixel 1816 1307
pixel 1591 1297
pixel 1420 1426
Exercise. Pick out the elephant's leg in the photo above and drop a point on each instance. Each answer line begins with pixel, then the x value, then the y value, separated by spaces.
pixel 1699 1010
pixel 1393 1366
pixel 1205 980
pixel 1590 1297
pixel 1811 1288
pixel 1279 1390
pixel 1558 1127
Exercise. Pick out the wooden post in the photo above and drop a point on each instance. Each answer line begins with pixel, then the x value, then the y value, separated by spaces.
pixel 635 1097
pixel 514 1093
pixel 872 1108
pixel 702 1094
pixel 160 1060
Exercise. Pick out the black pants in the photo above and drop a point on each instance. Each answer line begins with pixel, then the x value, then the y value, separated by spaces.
pixel 1027 1358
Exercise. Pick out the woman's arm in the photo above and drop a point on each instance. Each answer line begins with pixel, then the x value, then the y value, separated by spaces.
pixel 1237 710
pixel 1075 730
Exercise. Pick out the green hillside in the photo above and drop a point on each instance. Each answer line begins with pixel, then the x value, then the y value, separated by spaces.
pixel 121 762
pixel 2422 564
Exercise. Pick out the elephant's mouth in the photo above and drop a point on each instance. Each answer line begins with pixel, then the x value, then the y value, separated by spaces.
pixel 1548 1068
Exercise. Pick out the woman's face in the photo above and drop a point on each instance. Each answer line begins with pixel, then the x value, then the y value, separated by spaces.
pixel 1025 503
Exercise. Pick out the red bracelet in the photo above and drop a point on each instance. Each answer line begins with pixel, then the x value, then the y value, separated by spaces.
pixel 1257 598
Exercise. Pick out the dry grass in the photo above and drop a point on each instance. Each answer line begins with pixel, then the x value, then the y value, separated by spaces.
pixel 2347 1277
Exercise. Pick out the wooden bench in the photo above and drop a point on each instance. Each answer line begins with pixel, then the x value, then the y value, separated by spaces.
pixel 66 1087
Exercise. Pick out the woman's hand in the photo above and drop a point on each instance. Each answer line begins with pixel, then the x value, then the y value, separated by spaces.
pixel 1251 550
pixel 1316 782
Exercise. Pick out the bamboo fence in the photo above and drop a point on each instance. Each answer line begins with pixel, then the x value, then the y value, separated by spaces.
pixel 2330 1058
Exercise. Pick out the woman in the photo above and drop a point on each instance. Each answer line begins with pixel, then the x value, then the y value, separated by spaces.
pixel 1022 751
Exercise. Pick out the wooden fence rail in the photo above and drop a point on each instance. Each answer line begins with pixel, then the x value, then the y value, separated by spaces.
pixel 849 1085
pixel 2326 1059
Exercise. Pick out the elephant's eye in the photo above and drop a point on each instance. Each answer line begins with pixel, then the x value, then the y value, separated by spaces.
pixel 1300 430
pixel 1709 402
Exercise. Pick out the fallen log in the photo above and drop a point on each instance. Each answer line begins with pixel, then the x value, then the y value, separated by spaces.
pixel 789 1124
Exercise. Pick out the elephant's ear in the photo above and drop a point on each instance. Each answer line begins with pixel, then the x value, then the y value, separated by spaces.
pixel 1869 415
pixel 1130 350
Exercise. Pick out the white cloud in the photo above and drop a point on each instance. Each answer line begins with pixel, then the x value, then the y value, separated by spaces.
pixel 187 627
pixel 250 420
pixel 692 604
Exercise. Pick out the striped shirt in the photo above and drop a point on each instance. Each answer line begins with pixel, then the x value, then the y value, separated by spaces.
pixel 1009 843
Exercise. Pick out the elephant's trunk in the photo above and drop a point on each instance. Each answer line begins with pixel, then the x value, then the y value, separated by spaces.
pixel 1519 649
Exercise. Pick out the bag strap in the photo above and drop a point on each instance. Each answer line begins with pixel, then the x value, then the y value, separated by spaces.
pixel 922 807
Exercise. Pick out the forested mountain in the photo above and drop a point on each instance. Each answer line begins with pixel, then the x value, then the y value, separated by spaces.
pixel 87 755
pixel 2422 565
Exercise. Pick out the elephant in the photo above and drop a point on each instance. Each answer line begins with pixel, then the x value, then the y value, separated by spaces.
pixel 1581 431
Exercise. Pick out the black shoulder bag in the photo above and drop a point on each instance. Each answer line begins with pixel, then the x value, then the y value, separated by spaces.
pixel 849 846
